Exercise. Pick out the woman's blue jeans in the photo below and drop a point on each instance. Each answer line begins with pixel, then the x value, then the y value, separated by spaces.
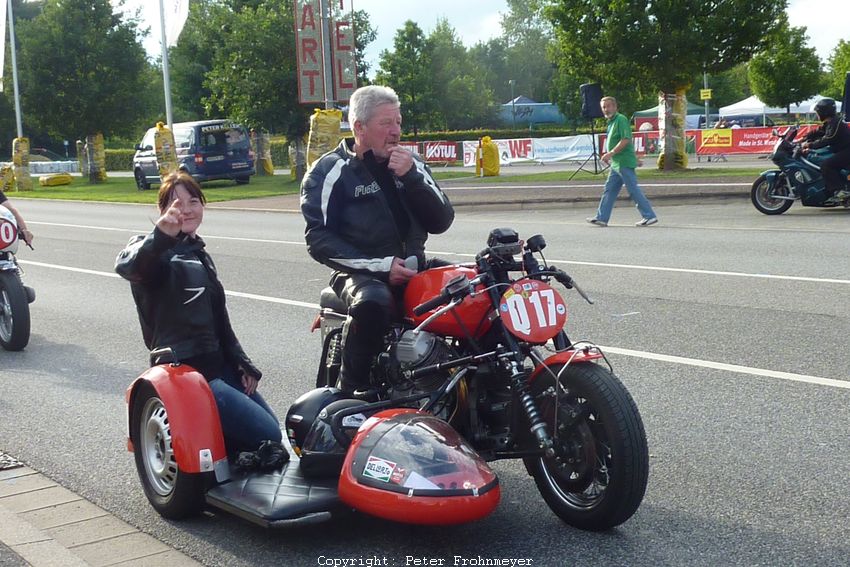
pixel 616 179
pixel 246 421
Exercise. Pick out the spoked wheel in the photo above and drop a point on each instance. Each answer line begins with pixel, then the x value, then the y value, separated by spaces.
pixel 14 312
pixel 765 197
pixel 172 492
pixel 598 476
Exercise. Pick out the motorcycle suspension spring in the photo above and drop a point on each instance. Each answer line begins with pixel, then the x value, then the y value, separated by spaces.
pixel 334 357
pixel 536 423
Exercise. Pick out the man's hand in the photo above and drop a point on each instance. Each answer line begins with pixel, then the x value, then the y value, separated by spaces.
pixel 26 236
pixel 171 221
pixel 606 157
pixel 399 275
pixel 401 160
pixel 249 383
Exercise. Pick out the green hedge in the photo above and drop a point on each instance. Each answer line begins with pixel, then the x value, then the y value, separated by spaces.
pixel 119 160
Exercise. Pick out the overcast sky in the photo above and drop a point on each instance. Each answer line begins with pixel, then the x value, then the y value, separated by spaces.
pixel 478 20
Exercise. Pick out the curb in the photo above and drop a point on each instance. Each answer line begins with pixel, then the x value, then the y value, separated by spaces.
pixel 46 525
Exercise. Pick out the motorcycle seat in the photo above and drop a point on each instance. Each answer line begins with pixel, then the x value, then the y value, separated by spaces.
pixel 330 300
pixel 282 498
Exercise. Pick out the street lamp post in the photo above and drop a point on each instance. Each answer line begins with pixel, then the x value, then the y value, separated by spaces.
pixel 511 82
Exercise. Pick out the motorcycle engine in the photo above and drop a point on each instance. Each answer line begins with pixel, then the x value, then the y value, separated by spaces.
pixel 415 351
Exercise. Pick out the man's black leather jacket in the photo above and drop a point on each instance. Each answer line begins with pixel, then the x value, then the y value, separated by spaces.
pixel 350 226
pixel 833 133
pixel 179 298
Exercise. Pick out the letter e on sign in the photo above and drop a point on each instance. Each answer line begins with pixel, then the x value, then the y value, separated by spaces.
pixel 342 47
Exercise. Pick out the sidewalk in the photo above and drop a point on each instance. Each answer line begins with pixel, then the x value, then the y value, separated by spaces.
pixel 45 525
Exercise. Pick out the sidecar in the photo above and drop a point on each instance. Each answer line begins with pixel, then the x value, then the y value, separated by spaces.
pixel 399 464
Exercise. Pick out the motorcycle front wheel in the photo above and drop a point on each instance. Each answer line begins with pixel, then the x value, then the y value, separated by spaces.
pixel 598 476
pixel 764 197
pixel 14 312
pixel 173 493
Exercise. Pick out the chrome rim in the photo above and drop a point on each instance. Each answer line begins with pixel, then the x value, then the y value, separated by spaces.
pixel 157 452
pixel 7 322
pixel 764 196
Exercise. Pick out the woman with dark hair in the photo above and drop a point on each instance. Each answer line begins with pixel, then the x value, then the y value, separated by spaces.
pixel 181 305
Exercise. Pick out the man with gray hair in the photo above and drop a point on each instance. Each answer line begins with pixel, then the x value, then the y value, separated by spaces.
pixel 369 205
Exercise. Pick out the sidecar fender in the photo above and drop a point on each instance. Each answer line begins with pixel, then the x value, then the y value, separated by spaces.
pixel 192 413
pixel 570 356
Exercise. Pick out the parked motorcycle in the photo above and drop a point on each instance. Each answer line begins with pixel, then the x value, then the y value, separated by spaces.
pixel 15 297
pixel 798 178
pixel 488 353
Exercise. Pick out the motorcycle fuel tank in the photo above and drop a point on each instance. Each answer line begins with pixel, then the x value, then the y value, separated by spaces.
pixel 473 314
pixel 409 466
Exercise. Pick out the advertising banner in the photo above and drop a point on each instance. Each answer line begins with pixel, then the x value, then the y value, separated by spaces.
pixel 740 140
pixel 440 152
pixel 412 146
pixel 563 148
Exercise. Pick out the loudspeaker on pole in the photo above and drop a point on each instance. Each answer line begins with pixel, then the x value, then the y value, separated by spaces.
pixel 591 94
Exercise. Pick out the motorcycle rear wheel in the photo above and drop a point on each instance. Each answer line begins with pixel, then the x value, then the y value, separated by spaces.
pixel 598 477
pixel 173 493
pixel 761 193
pixel 14 312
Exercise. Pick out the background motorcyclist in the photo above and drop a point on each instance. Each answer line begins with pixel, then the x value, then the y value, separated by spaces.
pixel 25 233
pixel 834 133
pixel 368 204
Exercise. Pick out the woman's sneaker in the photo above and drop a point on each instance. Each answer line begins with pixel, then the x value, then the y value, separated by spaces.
pixel 595 221
pixel 646 222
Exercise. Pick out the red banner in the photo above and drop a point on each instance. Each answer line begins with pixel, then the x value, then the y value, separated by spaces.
pixel 440 152
pixel 741 140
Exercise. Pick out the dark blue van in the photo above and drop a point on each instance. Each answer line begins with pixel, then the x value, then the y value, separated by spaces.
pixel 207 149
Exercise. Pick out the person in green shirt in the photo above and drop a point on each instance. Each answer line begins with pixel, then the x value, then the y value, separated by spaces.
pixel 620 154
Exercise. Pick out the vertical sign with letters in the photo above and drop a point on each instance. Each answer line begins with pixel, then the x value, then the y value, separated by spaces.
pixel 308 48
pixel 342 47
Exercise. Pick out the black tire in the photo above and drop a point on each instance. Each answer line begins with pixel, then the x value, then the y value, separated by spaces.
pixel 243 180
pixel 598 477
pixel 141 181
pixel 761 193
pixel 172 492
pixel 14 312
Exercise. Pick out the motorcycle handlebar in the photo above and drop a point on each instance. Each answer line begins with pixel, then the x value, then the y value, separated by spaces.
pixel 432 303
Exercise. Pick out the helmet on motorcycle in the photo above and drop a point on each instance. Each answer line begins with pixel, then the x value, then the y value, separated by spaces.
pixel 825 108
pixel 410 466
pixel 328 439
pixel 303 412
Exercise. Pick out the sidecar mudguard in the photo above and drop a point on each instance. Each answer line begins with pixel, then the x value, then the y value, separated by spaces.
pixel 193 416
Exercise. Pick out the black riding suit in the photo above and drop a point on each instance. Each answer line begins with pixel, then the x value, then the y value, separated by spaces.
pixel 180 302
pixel 835 134
pixel 360 216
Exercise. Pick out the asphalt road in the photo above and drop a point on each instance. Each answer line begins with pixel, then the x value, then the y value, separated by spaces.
pixel 749 463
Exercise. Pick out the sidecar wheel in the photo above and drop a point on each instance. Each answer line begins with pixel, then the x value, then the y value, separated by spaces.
pixel 598 476
pixel 173 493
pixel 762 200
pixel 14 312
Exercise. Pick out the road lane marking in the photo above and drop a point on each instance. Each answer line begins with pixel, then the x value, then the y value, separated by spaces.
pixel 762 372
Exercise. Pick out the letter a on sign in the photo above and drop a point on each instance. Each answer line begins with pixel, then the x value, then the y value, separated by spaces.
pixel 308 48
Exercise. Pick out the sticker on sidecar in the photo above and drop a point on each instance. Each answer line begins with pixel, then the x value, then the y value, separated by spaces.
pixel 379 469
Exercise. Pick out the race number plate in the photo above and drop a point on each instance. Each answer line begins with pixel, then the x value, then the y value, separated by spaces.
pixel 8 233
pixel 532 311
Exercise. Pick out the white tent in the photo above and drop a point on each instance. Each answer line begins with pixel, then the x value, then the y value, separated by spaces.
pixel 751 105
pixel 808 106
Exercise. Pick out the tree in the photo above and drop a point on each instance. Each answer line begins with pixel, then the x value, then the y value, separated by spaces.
pixel 839 66
pixel 528 37
pixel 647 45
pixel 788 71
pixel 364 34
pixel 726 88
pixel 254 77
pixel 407 69
pixel 84 70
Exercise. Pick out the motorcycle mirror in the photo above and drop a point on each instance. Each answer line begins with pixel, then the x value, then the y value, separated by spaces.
pixel 535 243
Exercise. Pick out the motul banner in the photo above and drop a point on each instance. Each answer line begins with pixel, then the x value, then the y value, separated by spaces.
pixel 440 152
